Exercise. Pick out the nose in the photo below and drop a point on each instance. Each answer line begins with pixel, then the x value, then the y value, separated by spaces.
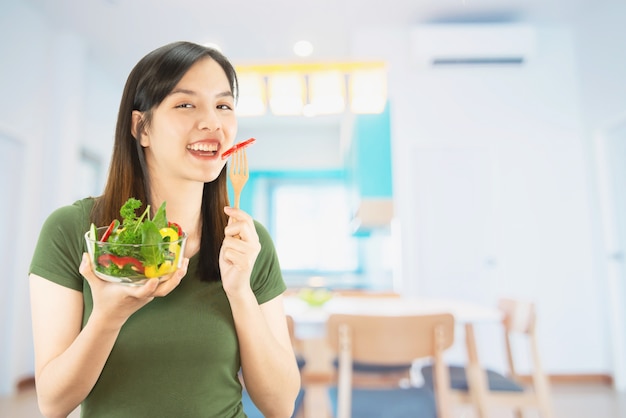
pixel 210 120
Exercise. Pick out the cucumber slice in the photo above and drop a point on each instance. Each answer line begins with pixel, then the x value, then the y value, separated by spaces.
pixel 93 233
pixel 93 236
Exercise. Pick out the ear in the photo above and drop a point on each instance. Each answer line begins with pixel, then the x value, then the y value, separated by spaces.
pixel 138 129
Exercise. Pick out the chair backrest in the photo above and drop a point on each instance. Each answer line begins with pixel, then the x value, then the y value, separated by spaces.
pixel 390 340
pixel 518 316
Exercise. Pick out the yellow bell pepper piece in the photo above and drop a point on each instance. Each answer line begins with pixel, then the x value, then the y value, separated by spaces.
pixel 169 232
pixel 167 266
pixel 173 235
pixel 162 270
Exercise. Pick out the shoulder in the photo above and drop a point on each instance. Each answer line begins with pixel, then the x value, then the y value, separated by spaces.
pixel 78 210
pixel 71 217
pixel 61 243
pixel 68 221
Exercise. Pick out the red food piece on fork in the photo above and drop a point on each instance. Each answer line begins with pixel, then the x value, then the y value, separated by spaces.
pixel 238 146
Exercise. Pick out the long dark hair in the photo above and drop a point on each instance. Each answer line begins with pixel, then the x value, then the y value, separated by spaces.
pixel 152 79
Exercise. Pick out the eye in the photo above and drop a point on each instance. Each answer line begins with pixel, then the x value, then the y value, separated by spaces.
pixel 184 106
pixel 224 107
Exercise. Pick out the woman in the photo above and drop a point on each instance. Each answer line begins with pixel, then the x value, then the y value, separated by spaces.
pixel 172 348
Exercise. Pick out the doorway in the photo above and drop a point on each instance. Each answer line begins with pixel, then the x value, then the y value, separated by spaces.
pixel 12 154
pixel 611 162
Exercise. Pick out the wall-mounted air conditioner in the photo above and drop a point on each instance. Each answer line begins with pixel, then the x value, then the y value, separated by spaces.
pixel 472 44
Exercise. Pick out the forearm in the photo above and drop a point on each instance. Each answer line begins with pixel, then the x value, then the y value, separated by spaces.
pixel 268 365
pixel 65 381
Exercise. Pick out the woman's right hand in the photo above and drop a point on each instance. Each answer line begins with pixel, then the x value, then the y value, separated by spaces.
pixel 118 302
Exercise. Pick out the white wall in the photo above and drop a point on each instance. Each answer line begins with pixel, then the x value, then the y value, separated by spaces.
pixel 528 121
pixel 534 126
pixel 21 116
pixel 45 104
pixel 603 90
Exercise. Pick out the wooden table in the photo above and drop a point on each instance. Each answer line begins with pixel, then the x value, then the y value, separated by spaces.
pixel 310 321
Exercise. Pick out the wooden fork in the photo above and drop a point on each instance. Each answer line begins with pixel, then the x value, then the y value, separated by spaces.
pixel 238 173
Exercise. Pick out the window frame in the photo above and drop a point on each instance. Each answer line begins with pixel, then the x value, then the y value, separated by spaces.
pixel 276 180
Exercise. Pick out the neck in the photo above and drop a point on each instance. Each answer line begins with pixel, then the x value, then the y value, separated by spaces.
pixel 183 206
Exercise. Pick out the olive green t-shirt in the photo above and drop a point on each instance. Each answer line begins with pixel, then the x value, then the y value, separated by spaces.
pixel 177 356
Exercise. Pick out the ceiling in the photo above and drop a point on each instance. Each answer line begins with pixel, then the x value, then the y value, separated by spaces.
pixel 119 32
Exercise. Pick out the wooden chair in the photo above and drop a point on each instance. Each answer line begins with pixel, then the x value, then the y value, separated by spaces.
pixel 485 389
pixel 389 341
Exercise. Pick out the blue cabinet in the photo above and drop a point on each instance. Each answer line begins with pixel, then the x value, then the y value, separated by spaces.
pixel 369 165
pixel 371 155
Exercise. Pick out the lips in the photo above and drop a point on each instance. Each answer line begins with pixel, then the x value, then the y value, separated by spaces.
pixel 203 148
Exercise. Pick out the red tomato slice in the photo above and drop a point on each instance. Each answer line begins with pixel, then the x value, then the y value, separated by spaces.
pixel 238 146
pixel 109 230
pixel 121 262
pixel 177 227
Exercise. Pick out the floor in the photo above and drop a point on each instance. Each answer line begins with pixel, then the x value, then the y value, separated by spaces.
pixel 570 401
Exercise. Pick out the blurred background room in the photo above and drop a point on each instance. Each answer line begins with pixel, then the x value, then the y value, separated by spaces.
pixel 461 149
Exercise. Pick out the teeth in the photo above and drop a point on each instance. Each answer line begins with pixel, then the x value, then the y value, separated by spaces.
pixel 202 147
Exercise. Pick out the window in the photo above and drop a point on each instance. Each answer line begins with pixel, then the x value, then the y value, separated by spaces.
pixel 311 226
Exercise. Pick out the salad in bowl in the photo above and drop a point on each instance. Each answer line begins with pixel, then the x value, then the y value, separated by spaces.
pixel 137 248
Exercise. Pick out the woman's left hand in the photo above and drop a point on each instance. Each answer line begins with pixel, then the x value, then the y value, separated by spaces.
pixel 239 251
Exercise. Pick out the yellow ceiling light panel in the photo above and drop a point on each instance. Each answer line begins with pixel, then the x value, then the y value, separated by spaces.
pixel 312 88
pixel 286 93
pixel 327 92
pixel 311 67
pixel 368 90
pixel 252 99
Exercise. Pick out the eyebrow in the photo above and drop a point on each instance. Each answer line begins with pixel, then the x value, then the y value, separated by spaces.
pixel 226 93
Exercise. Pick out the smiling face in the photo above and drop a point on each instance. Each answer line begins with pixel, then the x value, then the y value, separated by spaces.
pixel 191 127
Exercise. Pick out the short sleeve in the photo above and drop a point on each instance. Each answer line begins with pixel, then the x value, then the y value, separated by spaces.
pixel 267 278
pixel 61 243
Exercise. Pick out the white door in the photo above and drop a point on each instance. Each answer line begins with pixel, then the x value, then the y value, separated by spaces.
pixel 455 235
pixel 12 163
pixel 455 223
pixel 611 148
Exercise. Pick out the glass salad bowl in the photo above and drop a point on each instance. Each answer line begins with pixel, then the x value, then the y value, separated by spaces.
pixel 134 264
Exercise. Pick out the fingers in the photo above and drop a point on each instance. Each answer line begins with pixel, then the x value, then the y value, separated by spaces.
pixel 242 261
pixel 146 290
pixel 236 214
pixel 240 224
pixel 86 270
pixel 240 246
pixel 85 265
pixel 172 281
